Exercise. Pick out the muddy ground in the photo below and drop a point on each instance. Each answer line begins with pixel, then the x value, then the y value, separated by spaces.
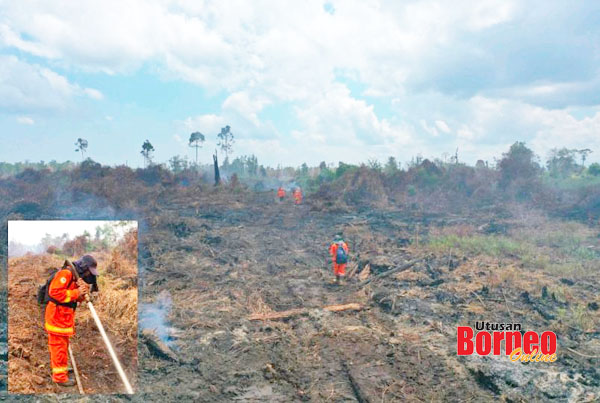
pixel 223 262
pixel 29 361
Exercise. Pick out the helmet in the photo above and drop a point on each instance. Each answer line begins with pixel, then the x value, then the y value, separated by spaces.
pixel 338 238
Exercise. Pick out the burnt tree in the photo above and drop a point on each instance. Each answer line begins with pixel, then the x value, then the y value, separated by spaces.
pixel 217 174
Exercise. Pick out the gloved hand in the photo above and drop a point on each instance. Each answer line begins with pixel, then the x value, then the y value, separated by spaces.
pixel 83 290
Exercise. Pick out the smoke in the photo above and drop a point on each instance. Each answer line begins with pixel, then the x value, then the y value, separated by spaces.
pixel 17 249
pixel 84 206
pixel 269 184
pixel 153 316
pixel 291 186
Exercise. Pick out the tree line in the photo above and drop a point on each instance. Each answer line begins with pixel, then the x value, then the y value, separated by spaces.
pixel 562 163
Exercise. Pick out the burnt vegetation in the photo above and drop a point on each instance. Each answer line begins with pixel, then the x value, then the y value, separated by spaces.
pixel 434 244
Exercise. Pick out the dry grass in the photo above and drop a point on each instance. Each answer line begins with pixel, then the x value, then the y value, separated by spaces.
pixel 118 297
pixel 116 305
pixel 460 230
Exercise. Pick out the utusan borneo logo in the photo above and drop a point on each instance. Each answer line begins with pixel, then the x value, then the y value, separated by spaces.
pixel 488 338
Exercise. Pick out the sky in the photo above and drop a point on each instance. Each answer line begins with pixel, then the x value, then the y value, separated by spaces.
pixel 298 82
pixel 32 232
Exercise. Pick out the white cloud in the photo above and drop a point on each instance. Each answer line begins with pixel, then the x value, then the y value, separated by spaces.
pixel 294 55
pixel 443 126
pixel 246 107
pixel 465 133
pixel 25 120
pixel 31 87
pixel 489 13
pixel 179 139
pixel 502 122
pixel 93 93
pixel 338 118
pixel 333 124
pixel 289 50
pixel 432 130
pixel 205 124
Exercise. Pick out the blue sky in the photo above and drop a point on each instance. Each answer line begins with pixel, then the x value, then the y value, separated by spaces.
pixel 298 81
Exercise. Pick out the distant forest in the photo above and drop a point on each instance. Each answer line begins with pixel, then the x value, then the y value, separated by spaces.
pixel 563 184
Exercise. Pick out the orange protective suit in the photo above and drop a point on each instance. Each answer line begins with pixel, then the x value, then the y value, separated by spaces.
pixel 280 193
pixel 60 322
pixel 298 196
pixel 338 269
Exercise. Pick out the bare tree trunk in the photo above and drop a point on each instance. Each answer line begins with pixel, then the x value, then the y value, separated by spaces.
pixel 217 174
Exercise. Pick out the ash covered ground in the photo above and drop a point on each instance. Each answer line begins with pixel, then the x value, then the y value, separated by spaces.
pixel 221 265
pixel 210 259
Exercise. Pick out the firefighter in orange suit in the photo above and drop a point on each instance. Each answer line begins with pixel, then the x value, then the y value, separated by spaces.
pixel 298 196
pixel 339 254
pixel 68 286
pixel 281 193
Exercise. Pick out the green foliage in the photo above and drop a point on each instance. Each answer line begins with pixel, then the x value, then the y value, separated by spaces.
pixel 562 163
pixel 411 190
pixel 375 165
pixel 594 169
pixel 10 169
pixel 518 163
pixel 178 164
pixel 90 169
pixel 490 245
pixel 225 140
pixel 244 166
pixel 427 174
pixel 391 166
pixel 195 141
pixel 343 168
pixel 575 183
pixel 56 241
pixel 82 145
pixel 577 316
pixel 304 169
pixel 147 150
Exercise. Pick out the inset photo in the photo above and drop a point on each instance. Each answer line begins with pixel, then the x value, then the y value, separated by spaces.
pixel 72 307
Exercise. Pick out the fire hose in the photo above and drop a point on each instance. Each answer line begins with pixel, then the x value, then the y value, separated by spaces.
pixel 109 347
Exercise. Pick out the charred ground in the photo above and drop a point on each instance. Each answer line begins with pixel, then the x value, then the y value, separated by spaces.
pixel 267 257
pixel 486 251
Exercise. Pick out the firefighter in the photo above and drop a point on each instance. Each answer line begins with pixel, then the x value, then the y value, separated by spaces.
pixel 339 254
pixel 281 193
pixel 297 196
pixel 68 286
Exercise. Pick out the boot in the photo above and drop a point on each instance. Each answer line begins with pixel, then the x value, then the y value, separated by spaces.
pixel 69 383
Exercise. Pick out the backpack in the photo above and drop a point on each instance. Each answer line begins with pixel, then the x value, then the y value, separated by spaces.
pixel 43 297
pixel 341 256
